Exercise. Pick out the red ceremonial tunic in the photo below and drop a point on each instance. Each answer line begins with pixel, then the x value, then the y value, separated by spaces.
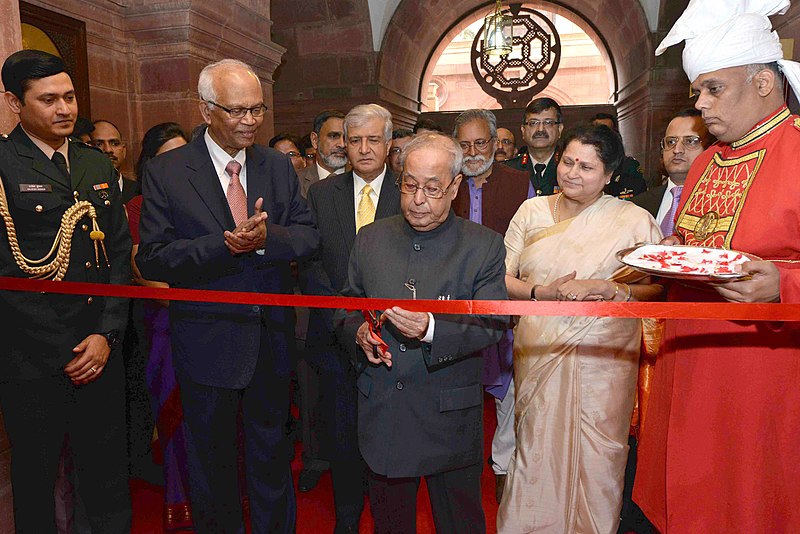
pixel 720 451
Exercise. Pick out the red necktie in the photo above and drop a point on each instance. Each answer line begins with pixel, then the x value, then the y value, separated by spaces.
pixel 237 198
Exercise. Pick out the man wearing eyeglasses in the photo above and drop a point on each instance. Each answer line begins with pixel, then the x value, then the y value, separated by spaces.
pixel 400 139
pixel 685 139
pixel 490 194
pixel 222 213
pixel 420 407
pixel 541 131
pixel 288 144
pixel 343 205
pixel 506 145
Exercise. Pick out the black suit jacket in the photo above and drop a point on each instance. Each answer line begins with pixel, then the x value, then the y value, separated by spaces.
pixel 651 199
pixel 130 189
pixel 39 330
pixel 332 202
pixel 424 415
pixel 184 215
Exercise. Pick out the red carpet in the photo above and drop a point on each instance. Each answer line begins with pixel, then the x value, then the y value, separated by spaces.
pixel 315 513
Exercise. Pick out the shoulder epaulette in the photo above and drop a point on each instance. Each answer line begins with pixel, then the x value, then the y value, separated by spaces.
pixel 4 137
pixel 796 123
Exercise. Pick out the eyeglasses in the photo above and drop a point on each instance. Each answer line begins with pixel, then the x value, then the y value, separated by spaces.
pixel 410 188
pixel 239 113
pixel 535 123
pixel 310 156
pixel 480 144
pixel 690 142
pixel 293 154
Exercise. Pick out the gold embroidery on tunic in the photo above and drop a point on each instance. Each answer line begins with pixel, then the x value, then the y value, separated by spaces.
pixel 712 211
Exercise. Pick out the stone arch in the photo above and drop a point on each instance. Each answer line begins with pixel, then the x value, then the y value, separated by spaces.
pixel 551 91
pixel 416 29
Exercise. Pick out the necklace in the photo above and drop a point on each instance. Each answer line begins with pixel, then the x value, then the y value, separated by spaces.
pixel 555 208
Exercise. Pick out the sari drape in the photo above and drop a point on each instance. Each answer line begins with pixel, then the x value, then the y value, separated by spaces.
pixel 575 377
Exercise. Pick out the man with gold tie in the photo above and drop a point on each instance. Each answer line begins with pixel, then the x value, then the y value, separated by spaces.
pixel 343 204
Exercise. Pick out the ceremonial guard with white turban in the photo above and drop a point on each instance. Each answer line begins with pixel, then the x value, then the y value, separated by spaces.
pixel 720 445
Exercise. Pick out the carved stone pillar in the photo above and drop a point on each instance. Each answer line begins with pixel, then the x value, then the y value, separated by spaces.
pixel 10 42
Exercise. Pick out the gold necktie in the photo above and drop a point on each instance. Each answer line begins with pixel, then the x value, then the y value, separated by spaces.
pixel 366 208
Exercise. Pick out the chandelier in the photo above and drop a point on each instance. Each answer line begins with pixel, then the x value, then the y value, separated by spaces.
pixel 498 32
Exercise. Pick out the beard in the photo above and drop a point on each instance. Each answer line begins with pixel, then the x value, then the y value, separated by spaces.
pixel 334 160
pixel 471 171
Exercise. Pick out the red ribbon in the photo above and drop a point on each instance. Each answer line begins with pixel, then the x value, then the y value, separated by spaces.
pixel 659 310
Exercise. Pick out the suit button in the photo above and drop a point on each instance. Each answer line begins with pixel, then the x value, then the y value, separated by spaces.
pixel 399 385
pixel 417 247
pixel 256 309
pixel 89 300
pixel 39 208
pixel 107 202
pixel 85 227
pixel 402 347
pixel 88 265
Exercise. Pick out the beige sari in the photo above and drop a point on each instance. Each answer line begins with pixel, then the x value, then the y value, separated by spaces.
pixel 575 377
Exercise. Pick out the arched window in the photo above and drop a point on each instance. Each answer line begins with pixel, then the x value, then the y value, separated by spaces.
pixel 584 75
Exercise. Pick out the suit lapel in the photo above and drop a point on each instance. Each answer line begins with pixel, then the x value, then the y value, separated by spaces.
pixel 345 207
pixel 203 178
pixel 39 161
pixel 389 199
pixel 257 180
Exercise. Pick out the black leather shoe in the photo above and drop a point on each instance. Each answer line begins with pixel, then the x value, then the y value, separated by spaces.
pixel 308 480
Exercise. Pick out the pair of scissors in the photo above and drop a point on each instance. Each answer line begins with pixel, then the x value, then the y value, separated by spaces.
pixel 374 324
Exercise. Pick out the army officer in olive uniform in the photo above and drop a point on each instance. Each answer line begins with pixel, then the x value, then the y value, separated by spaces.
pixel 58 372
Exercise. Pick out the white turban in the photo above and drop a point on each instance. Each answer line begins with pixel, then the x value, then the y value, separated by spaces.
pixel 730 33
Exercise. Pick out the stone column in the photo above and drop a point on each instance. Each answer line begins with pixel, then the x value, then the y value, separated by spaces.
pixel 10 42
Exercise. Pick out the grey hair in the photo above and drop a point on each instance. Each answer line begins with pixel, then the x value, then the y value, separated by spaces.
pixel 205 85
pixel 363 113
pixel 477 115
pixel 754 68
pixel 436 140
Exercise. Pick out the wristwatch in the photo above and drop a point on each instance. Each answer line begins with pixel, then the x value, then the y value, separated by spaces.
pixel 112 338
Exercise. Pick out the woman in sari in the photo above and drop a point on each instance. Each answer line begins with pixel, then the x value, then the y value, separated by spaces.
pixel 153 326
pixel 575 377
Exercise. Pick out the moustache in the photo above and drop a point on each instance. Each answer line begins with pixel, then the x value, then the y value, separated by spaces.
pixel 541 134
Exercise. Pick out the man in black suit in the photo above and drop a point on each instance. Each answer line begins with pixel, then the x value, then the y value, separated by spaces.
pixel 224 214
pixel 338 203
pixel 106 137
pixel 685 139
pixel 61 371
pixel 541 130
pixel 420 401
pixel 626 180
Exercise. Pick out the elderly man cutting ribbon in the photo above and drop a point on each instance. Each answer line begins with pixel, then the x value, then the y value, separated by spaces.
pixel 718 452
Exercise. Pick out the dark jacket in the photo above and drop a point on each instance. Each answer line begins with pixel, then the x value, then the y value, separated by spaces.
pixel 184 215
pixel 40 330
pixel 424 414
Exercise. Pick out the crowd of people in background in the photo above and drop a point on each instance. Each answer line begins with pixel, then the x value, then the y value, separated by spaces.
pixel 360 207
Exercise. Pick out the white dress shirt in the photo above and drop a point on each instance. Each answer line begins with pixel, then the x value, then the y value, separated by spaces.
pixel 324 173
pixel 220 159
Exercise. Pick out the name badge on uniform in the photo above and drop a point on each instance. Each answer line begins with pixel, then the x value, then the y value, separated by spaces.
pixel 98 187
pixel 35 188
